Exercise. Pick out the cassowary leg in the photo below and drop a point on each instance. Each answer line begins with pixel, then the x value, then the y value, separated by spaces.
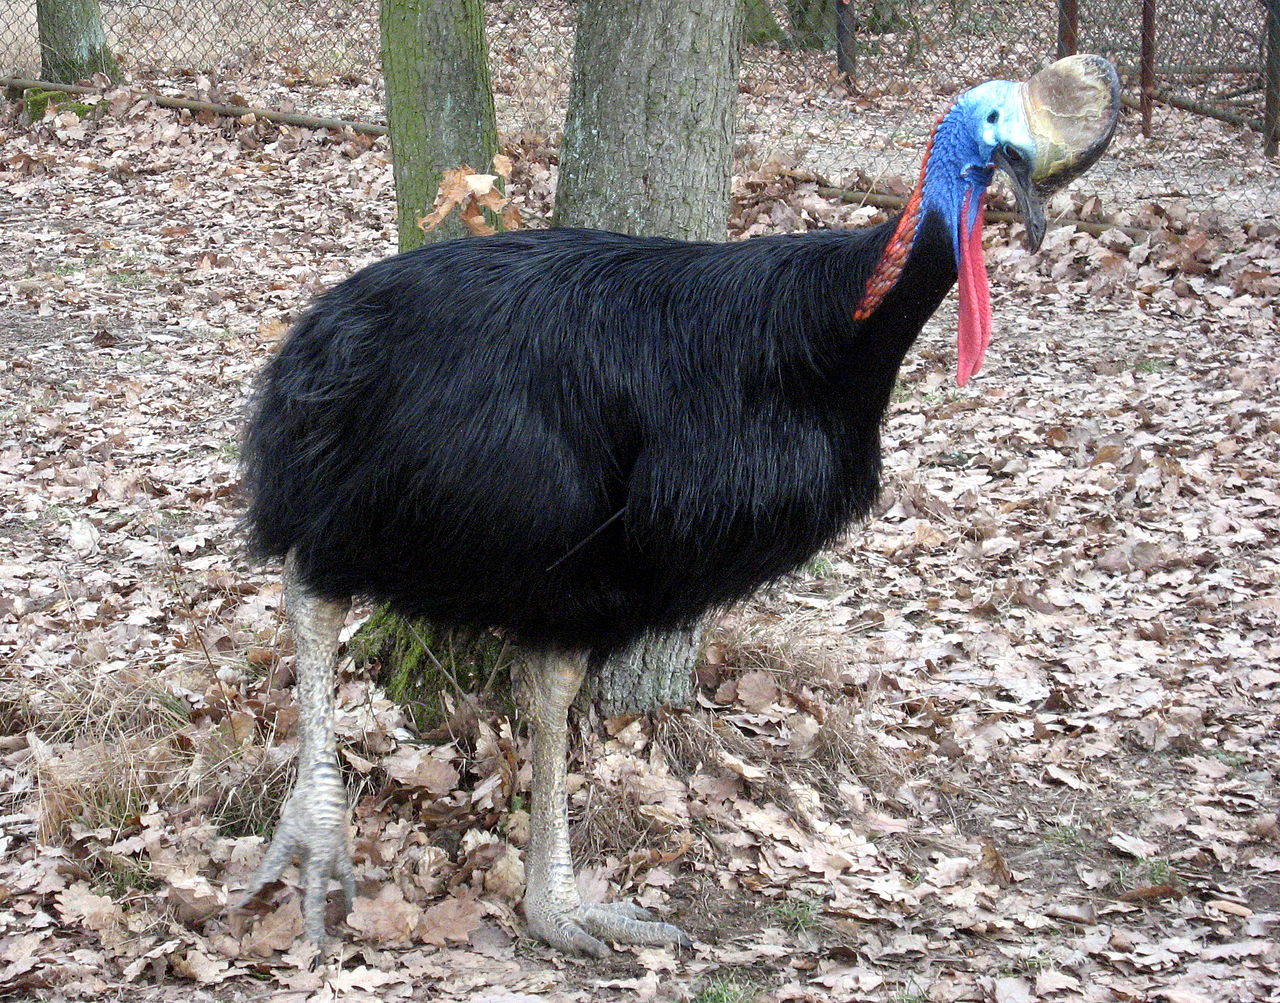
pixel 554 911
pixel 313 823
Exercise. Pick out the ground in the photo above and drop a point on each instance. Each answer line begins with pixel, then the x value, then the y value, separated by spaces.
pixel 1013 739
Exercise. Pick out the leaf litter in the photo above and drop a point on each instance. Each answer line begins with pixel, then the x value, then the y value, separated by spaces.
pixel 1013 739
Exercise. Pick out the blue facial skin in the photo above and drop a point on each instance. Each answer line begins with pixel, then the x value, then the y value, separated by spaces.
pixel 987 123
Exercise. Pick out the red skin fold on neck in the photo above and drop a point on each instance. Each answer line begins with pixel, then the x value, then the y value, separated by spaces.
pixel 889 268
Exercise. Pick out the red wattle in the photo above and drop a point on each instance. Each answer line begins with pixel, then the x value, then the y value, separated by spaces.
pixel 974 331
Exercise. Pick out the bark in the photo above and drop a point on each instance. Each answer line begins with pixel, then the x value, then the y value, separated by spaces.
pixel 846 37
pixel 648 150
pixel 655 672
pixel 439 103
pixel 648 141
pixel 73 44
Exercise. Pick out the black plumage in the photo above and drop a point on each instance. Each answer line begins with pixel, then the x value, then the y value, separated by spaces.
pixel 579 436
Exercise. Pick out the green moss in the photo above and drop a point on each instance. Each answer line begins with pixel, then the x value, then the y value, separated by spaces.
pixel 421 664
pixel 38 100
pixel 760 24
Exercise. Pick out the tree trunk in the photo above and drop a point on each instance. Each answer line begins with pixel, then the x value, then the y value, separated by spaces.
pixel 73 45
pixel 655 672
pixel 439 116
pixel 439 103
pixel 648 149
pixel 648 142
pixel 846 38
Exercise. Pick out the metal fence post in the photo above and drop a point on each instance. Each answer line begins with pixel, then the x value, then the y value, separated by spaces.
pixel 1271 115
pixel 1148 95
pixel 1068 28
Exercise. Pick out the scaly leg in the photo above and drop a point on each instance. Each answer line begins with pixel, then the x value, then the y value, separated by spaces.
pixel 554 911
pixel 313 823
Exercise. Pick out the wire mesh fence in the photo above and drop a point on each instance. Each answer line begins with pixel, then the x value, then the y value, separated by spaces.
pixel 1197 77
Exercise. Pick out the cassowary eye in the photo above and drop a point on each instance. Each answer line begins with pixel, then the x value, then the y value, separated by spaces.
pixel 1012 155
pixel 994 117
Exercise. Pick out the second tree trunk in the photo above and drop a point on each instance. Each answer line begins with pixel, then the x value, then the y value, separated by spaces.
pixel 648 150
pixel 648 144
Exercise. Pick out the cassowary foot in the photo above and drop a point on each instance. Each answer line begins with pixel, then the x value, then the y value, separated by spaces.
pixel 313 827
pixel 584 930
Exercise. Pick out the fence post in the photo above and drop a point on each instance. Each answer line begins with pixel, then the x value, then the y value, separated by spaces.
pixel 1271 116
pixel 1148 95
pixel 1068 28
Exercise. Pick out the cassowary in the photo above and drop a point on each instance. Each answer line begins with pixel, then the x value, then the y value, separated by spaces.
pixel 579 437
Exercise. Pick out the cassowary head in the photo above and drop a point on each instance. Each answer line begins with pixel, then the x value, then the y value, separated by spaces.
pixel 1042 134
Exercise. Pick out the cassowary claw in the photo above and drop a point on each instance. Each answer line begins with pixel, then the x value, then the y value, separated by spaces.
pixel 313 826
pixel 584 930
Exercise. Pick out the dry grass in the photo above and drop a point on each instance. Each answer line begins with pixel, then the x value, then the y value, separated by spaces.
pixel 100 745
pixel 104 747
pixel 612 825
pixel 793 652
pixel 844 765
pixel 101 786
pixel 86 700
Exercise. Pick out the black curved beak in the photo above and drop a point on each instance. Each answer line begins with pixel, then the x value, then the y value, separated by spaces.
pixel 1030 204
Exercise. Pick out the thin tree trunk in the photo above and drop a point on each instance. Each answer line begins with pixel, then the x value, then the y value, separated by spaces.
pixel 73 44
pixel 648 149
pixel 1271 112
pixel 439 103
pixel 846 38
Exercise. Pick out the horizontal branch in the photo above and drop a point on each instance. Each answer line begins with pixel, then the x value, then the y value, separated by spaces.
pixel 991 215
pixel 229 110
pixel 316 122
pixel 1207 111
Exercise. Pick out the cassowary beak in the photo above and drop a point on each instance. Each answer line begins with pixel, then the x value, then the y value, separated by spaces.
pixel 1071 109
pixel 1030 202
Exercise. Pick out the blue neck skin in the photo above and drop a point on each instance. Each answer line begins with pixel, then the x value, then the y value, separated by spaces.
pixel 956 167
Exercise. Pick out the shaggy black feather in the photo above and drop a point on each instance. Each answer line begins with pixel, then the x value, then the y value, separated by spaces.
pixel 579 436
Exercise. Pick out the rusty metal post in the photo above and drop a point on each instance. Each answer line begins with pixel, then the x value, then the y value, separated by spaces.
pixel 1271 115
pixel 1148 95
pixel 1068 28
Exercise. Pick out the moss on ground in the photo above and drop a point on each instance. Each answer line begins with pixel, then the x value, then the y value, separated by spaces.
pixel 37 102
pixel 420 664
